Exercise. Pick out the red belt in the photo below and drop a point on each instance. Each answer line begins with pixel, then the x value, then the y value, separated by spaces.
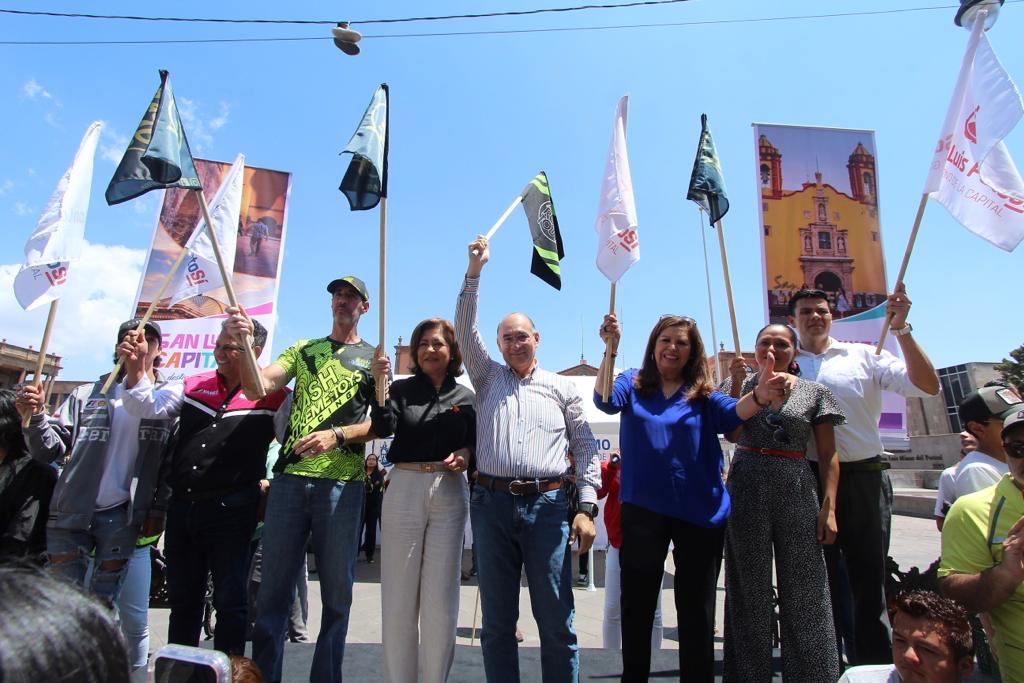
pixel 793 455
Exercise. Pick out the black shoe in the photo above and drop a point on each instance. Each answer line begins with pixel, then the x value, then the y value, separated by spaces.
pixel 370 560
pixel 583 580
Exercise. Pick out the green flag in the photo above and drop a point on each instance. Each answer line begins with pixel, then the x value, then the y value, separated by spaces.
pixel 547 240
pixel 158 155
pixel 707 187
pixel 366 179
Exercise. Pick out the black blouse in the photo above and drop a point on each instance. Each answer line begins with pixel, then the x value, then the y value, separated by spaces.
pixel 428 424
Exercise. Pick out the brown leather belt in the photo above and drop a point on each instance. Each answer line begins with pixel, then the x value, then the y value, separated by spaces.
pixel 519 487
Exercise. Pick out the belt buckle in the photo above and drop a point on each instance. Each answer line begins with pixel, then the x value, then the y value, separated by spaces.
pixel 521 483
pixel 429 467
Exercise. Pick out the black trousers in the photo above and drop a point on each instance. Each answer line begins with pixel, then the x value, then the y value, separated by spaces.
pixel 698 558
pixel 864 518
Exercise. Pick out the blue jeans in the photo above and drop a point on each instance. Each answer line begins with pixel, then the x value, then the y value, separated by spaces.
pixel 133 606
pixel 532 531
pixel 203 537
pixel 332 511
pixel 110 537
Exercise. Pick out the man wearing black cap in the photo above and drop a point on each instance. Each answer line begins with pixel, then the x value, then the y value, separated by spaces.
pixel 981 414
pixel 983 551
pixel 105 491
pixel 318 487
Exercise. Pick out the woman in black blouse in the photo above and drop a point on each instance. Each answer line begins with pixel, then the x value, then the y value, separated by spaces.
pixel 425 510
pixel 371 511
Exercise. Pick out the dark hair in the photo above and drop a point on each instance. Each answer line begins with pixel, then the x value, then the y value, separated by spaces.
pixel 794 367
pixel 696 375
pixel 259 332
pixel 949 617
pixel 805 294
pixel 51 631
pixel 12 440
pixel 448 332
pixel 244 670
pixel 374 456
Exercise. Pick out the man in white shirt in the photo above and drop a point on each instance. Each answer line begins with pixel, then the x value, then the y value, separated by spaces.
pixel 981 413
pixel 857 377
pixel 931 642
pixel 947 480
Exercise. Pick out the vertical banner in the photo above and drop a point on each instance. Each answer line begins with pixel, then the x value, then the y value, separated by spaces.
pixel 820 229
pixel 190 326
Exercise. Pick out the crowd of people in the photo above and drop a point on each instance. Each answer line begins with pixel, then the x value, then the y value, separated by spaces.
pixel 805 499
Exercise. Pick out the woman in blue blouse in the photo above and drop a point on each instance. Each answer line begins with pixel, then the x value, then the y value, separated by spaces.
pixel 671 487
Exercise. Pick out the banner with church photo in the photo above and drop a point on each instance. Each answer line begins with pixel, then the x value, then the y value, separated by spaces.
pixel 820 229
pixel 190 326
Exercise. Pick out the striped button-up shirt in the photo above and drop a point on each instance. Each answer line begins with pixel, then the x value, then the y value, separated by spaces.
pixel 527 427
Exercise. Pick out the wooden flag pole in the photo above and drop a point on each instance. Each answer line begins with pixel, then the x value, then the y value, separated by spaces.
pixel 728 288
pixel 37 378
pixel 382 382
pixel 504 217
pixel 211 232
pixel 610 349
pixel 145 318
pixel 903 266
pixel 711 307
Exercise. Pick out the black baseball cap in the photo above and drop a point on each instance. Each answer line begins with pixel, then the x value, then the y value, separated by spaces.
pixel 989 403
pixel 129 325
pixel 353 282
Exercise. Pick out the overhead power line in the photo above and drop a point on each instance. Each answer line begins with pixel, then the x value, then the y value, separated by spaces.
pixel 491 32
pixel 482 15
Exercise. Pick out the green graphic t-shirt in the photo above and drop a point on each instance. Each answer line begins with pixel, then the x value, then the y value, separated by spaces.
pixel 333 388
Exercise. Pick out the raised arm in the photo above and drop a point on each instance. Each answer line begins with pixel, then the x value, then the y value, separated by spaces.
pixel 919 368
pixel 47 439
pixel 272 377
pixel 474 351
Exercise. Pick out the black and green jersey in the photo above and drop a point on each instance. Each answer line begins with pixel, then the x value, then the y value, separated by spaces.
pixel 333 388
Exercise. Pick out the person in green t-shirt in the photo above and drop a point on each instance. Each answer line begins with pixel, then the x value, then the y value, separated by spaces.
pixel 318 488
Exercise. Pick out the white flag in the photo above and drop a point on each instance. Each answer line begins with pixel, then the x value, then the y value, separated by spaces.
pixel 618 243
pixel 972 174
pixel 199 273
pixel 57 239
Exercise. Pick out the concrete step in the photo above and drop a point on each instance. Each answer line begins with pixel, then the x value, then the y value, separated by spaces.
pixel 913 501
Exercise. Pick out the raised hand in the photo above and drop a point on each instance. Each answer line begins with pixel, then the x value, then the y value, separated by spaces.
pixel 897 307
pixel 238 323
pixel 610 330
pixel 479 254
pixel 771 385
pixel 30 400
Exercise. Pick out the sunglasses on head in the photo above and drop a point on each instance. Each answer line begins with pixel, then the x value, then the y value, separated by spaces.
pixel 685 318
pixel 775 420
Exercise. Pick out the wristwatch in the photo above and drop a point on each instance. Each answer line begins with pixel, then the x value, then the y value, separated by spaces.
pixel 906 329
pixel 589 509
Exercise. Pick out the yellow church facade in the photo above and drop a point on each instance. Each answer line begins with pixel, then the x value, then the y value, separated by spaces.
pixel 819 237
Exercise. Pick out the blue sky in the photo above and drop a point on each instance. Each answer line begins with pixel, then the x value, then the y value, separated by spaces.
pixel 473 119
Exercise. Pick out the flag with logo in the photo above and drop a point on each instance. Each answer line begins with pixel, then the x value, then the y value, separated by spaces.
pixel 158 155
pixel 57 239
pixel 972 173
pixel 547 239
pixel 618 243
pixel 199 274
pixel 707 187
pixel 366 178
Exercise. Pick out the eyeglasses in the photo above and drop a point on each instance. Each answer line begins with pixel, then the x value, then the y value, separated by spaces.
pixel 685 318
pixel 775 420
pixel 1014 448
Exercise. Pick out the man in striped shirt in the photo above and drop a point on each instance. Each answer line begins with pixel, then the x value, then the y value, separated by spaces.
pixel 530 431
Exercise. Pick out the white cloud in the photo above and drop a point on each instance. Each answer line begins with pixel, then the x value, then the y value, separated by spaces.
pixel 33 90
pixel 23 209
pixel 51 119
pixel 199 130
pixel 31 171
pixel 102 289
pixel 6 187
pixel 112 144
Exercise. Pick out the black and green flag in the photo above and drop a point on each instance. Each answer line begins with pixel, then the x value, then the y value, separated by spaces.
pixel 707 187
pixel 366 179
pixel 158 155
pixel 547 240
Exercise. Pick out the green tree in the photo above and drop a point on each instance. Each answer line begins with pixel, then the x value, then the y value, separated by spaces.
pixel 1012 368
